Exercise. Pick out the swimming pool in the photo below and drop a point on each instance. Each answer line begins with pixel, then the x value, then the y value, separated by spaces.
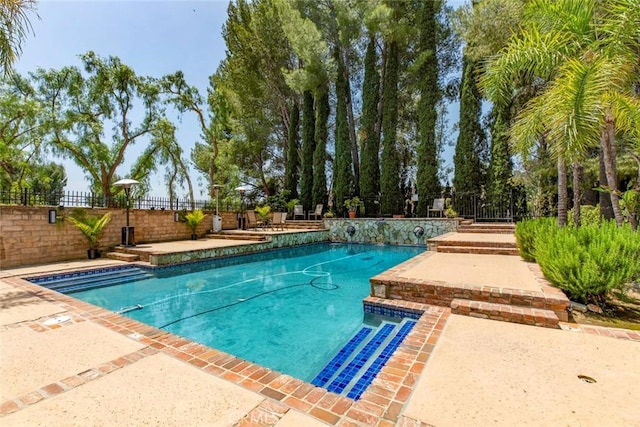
pixel 290 310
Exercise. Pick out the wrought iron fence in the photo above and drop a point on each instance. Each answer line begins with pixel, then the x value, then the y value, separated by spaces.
pixel 509 207
pixel 27 197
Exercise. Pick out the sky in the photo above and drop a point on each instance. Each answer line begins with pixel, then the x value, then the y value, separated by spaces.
pixel 152 37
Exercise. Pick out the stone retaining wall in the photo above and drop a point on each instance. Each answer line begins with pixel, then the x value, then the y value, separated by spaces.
pixel 26 237
pixel 401 231
pixel 276 241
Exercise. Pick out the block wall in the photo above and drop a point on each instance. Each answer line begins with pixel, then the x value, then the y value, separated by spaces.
pixel 26 237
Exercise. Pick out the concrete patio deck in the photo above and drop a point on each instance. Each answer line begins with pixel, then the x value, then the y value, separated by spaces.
pixel 100 368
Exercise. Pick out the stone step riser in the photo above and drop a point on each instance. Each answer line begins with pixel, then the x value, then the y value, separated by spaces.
pixel 471 244
pixel 122 256
pixel 506 313
pixel 484 230
pixel 477 250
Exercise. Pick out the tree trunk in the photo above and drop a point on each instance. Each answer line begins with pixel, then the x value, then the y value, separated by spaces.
pixel 562 192
pixel 606 211
pixel 577 194
pixel 608 153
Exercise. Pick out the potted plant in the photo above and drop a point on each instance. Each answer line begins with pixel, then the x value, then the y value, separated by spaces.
pixel 449 212
pixel 193 219
pixel 353 204
pixel 91 226
pixel 263 212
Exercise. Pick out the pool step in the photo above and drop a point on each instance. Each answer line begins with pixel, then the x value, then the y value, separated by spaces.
pixel 92 280
pixel 356 365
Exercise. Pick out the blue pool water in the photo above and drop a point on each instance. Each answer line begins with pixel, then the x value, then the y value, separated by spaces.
pixel 290 310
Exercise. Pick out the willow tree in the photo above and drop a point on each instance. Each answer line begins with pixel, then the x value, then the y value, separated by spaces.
pixel 91 121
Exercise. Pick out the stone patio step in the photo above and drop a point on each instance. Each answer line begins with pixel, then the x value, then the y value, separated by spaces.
pixel 506 313
pixel 121 256
pixel 473 243
pixel 495 229
pixel 478 250
pixel 238 236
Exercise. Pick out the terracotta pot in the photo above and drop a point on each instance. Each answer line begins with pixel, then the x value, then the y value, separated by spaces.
pixel 352 214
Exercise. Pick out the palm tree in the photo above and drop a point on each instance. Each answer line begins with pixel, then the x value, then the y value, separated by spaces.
pixel 587 53
pixel 14 28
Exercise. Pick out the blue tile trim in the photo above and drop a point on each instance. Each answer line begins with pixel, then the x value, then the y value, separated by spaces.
pixel 43 279
pixel 352 369
pixel 367 378
pixel 338 360
pixel 391 311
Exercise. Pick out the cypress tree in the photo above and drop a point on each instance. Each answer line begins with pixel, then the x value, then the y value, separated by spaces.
pixel 343 180
pixel 292 174
pixel 308 148
pixel 391 202
pixel 501 166
pixel 370 155
pixel 319 193
pixel 469 177
pixel 427 181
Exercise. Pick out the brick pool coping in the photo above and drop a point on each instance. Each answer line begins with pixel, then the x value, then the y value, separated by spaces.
pixel 392 284
pixel 380 405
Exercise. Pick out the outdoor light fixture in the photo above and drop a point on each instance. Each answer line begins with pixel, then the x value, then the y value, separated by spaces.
pixel 176 216
pixel 127 232
pixel 52 216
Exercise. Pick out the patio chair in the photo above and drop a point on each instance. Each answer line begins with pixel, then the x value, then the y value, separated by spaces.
pixel 252 220
pixel 317 213
pixel 279 220
pixel 438 206
pixel 298 210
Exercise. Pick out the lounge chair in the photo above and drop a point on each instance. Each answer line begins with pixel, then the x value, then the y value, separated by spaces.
pixel 317 213
pixel 298 210
pixel 438 206
pixel 252 220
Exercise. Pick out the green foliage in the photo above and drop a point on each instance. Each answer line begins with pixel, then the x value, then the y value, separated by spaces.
pixel 279 201
pixel 292 171
pixel 470 146
pixel 319 191
pixel 91 226
pixel 589 215
pixel 501 166
pixel 449 212
pixel 370 154
pixel 353 204
pixel 15 26
pixel 427 173
pixel 291 203
pixel 263 211
pixel 308 148
pixel 590 261
pixel 193 219
pixel 343 179
pixel 527 233
pixel 391 202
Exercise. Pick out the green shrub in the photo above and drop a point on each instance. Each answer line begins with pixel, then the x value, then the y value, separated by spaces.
pixel 263 211
pixel 528 230
pixel 589 215
pixel 590 261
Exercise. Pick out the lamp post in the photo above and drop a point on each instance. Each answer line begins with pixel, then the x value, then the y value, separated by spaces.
pixel 127 232
pixel 217 220
pixel 241 221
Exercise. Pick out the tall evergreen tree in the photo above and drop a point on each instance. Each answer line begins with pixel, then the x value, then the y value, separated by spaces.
pixel 391 202
pixel 501 167
pixel 469 176
pixel 343 180
pixel 370 156
pixel 292 171
pixel 427 174
pixel 308 147
pixel 319 193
